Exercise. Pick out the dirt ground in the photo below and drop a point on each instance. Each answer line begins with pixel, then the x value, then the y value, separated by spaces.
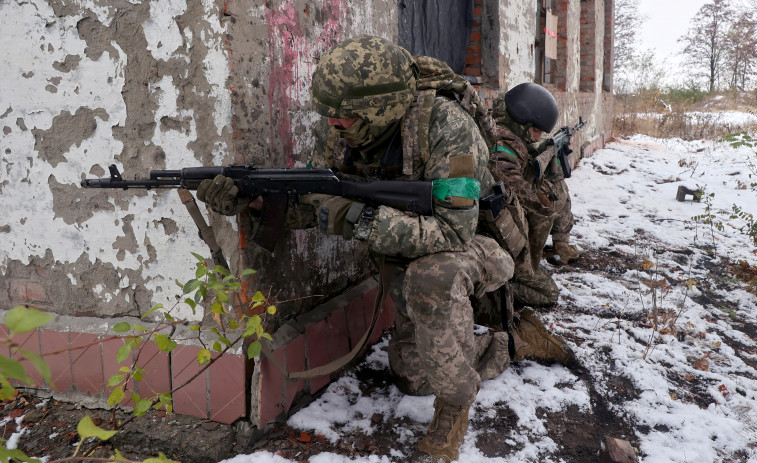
pixel 48 426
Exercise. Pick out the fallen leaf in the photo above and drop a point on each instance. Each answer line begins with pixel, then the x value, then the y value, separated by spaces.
pixel 702 364
pixel 305 437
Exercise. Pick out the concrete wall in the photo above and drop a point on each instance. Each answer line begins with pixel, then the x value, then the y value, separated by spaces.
pixel 87 84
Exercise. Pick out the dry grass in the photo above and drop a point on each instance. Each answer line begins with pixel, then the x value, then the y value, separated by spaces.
pixel 682 114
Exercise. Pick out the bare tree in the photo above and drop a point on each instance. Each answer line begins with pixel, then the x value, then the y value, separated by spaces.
pixel 707 39
pixel 628 22
pixel 741 53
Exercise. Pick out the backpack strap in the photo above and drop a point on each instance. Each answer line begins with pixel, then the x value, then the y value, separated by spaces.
pixel 426 98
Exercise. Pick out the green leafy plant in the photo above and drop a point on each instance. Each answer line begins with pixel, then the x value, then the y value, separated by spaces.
pixel 740 139
pixel 215 288
pixel 710 217
pixel 233 323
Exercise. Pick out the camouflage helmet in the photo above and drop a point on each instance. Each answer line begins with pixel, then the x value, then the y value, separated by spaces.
pixel 366 78
pixel 531 104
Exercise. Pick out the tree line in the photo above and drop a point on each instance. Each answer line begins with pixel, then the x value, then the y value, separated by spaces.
pixel 719 48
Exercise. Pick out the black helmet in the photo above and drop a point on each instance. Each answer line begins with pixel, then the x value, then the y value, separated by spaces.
pixel 528 102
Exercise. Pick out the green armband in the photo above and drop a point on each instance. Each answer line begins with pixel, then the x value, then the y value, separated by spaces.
pixel 506 149
pixel 463 187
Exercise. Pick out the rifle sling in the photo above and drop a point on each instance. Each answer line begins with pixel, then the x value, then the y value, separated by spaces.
pixel 385 274
pixel 208 236
pixel 206 231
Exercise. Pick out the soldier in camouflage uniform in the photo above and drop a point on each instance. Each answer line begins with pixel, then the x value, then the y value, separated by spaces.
pixel 366 90
pixel 522 115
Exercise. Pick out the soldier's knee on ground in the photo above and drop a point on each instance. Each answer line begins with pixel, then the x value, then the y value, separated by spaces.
pixel 537 291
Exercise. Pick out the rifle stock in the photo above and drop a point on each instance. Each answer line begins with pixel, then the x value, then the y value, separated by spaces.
pixel 277 186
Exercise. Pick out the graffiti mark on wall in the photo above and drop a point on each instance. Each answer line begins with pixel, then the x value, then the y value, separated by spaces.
pixel 296 39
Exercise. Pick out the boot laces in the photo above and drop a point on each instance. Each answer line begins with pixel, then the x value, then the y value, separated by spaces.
pixel 444 420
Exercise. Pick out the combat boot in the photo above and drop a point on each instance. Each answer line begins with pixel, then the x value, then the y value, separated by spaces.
pixel 532 341
pixel 566 252
pixel 445 434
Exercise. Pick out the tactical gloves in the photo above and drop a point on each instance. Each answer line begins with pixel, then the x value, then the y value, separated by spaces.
pixel 336 215
pixel 221 195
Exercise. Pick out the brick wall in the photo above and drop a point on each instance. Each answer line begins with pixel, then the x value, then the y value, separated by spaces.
pixel 588 46
pixel 473 56
pixel 81 354
pixel 81 361
pixel 314 339
pixel 609 45
pixel 561 63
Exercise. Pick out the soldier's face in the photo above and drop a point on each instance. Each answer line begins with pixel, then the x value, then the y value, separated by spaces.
pixel 341 124
pixel 536 133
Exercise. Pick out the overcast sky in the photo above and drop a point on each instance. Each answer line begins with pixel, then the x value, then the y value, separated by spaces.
pixel 666 21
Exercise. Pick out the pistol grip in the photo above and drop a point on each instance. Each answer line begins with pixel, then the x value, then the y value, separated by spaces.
pixel 272 219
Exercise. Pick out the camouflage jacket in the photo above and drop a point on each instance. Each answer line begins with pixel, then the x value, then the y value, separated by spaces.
pixel 456 149
pixel 510 163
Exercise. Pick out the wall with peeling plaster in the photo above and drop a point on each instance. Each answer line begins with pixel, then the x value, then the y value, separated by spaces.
pixel 170 83
pixel 86 84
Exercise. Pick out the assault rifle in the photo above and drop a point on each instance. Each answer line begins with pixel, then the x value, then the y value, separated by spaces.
pixel 561 142
pixel 276 186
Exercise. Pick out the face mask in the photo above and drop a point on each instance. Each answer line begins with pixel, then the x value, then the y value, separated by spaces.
pixel 359 134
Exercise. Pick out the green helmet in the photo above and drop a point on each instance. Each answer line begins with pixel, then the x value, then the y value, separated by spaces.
pixel 366 78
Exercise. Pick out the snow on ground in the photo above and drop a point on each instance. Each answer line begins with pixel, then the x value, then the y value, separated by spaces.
pixel 681 410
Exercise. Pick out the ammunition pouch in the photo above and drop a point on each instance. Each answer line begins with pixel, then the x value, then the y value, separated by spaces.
pixel 498 212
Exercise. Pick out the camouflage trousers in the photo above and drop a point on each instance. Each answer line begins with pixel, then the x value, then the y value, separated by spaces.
pixel 563 223
pixel 536 291
pixel 539 228
pixel 434 349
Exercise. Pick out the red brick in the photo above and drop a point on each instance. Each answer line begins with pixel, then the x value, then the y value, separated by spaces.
pixel 60 362
pixel 110 348
pixel 473 48
pixel 471 71
pixel 338 334
pixel 30 291
pixel 359 311
pixel 28 341
pixel 157 377
pixel 472 59
pixel 295 355
pixel 317 337
pixel 4 350
pixel 87 363
pixel 387 316
pixel 475 36
pixel 271 392
pixel 477 11
pixel 227 389
pixel 192 398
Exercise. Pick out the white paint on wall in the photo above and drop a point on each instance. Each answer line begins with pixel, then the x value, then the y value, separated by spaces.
pixel 34 92
pixel 161 31
pixel 517 21
pixel 175 143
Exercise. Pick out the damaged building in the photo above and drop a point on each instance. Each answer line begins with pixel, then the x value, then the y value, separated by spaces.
pixel 166 84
